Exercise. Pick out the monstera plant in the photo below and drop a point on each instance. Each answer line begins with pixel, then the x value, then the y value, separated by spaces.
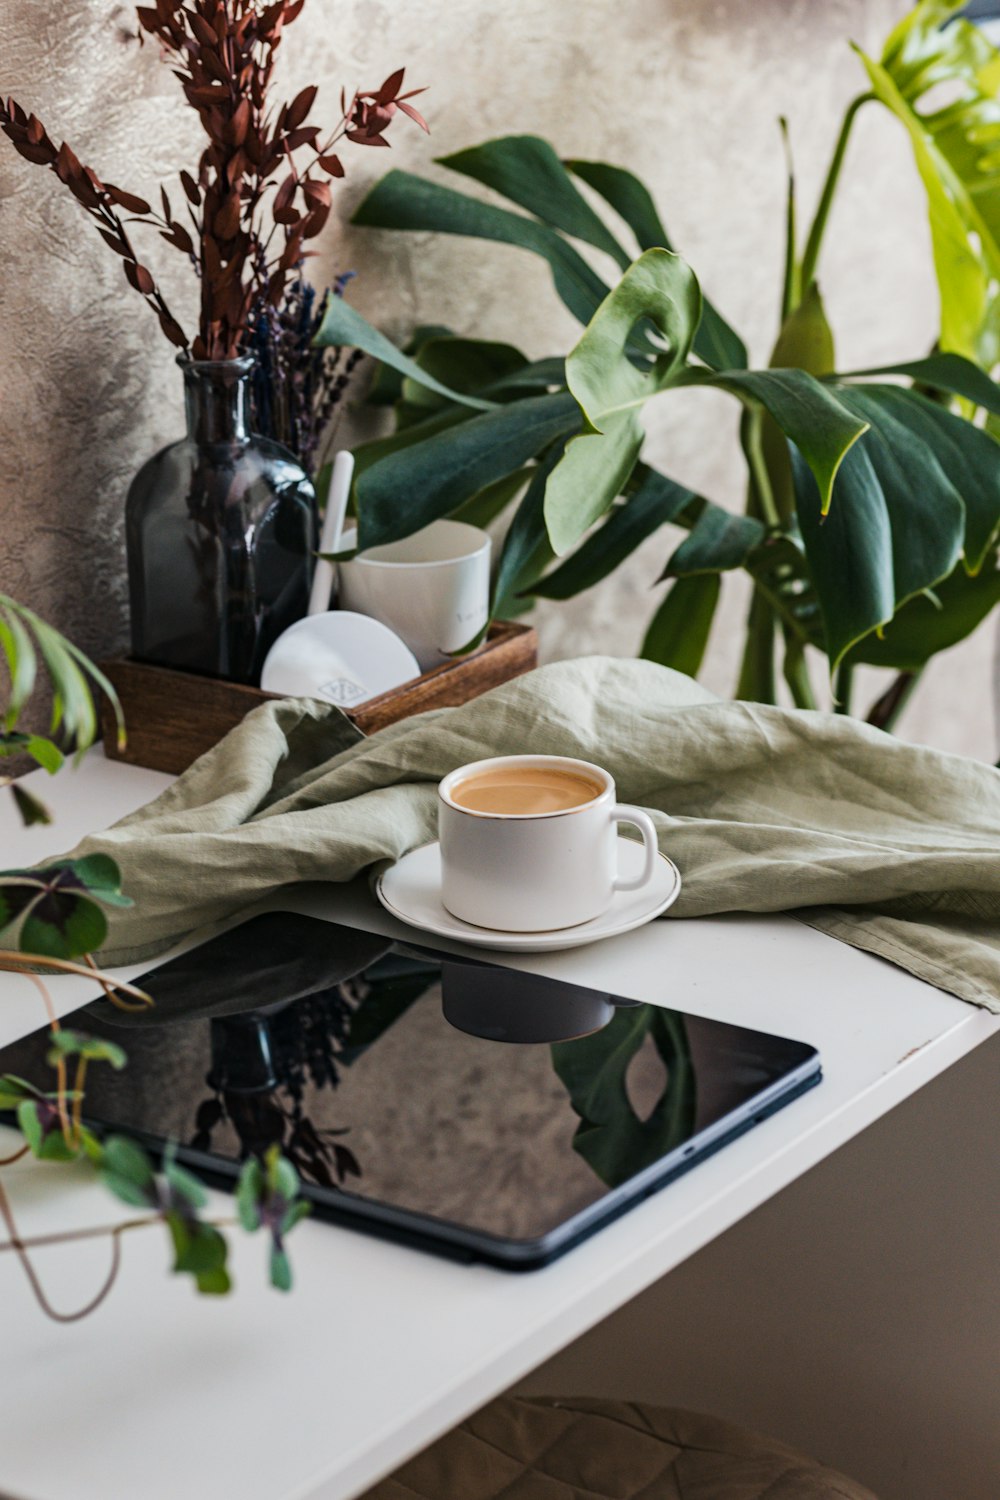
pixel 870 521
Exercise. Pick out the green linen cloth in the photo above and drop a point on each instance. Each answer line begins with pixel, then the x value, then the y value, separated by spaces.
pixel 889 846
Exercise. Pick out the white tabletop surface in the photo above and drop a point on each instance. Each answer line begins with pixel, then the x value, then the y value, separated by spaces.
pixel 379 1349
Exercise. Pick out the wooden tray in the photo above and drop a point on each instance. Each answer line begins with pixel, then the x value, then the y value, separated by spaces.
pixel 173 717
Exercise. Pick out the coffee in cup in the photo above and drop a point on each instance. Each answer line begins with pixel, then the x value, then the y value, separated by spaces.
pixel 529 842
pixel 517 790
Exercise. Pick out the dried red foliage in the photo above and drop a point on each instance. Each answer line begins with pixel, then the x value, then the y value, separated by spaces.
pixel 248 191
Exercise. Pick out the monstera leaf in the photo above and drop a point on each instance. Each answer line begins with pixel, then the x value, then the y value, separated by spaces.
pixel 956 146
pixel 526 170
pixel 611 1137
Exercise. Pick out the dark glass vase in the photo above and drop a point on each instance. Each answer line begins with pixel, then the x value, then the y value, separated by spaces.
pixel 220 533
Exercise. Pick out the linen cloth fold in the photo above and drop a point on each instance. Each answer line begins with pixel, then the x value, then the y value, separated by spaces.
pixel 891 847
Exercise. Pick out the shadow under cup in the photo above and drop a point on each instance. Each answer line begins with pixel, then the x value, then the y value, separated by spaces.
pixel 431 588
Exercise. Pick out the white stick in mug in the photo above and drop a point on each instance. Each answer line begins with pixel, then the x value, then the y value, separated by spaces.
pixel 333 526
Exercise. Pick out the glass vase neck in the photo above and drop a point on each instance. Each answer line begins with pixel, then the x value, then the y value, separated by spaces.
pixel 216 398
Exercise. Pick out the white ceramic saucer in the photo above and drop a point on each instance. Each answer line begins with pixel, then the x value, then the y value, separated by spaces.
pixel 411 891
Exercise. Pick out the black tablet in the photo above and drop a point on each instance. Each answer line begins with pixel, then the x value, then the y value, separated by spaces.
pixel 456 1104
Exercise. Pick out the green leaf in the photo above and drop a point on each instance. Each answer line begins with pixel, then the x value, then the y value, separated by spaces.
pixel 470 366
pixel 524 555
pixel 954 146
pixel 280 1176
pixel 525 169
pixel 64 1043
pixel 125 1161
pixel 55 904
pixel 678 632
pixel 926 625
pixel 299 1210
pixel 654 501
pixel 280 1270
pixel 943 372
pixel 63 927
pixel 387 384
pixel 594 470
pixel 658 286
pixel 718 541
pixel 611 1137
pixel 215 1282
pixel 438 474
pixel 20 656
pixel 249 1192
pixel 343 324
pixel 187 1190
pixel 900 520
pixel 67 667
pixel 201 1251
pixel 41 1129
pixel 715 341
pixel 45 753
pixel 403 201
pixel 611 389
pixel 810 414
pixel 14 1090
pixel 31 810
pixel 491 502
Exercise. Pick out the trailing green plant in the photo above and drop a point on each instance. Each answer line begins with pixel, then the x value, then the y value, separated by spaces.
pixel 51 920
pixel 871 516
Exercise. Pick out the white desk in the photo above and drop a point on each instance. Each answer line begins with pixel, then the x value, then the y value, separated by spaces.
pixel 380 1349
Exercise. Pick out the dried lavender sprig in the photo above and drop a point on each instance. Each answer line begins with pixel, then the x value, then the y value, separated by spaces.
pixel 297 386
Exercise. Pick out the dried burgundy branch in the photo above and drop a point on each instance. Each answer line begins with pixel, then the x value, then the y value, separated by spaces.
pixel 223 54
pixel 99 199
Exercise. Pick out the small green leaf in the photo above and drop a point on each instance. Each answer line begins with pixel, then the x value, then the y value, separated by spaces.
pixel 249 1192
pixel 280 1175
pixel 47 755
pixel 32 811
pixel 184 1185
pixel 299 1210
pixel 64 1043
pixel 31 1125
pixel 678 632
pixel 14 1090
pixel 214 1283
pixel 122 1158
pixel 281 1271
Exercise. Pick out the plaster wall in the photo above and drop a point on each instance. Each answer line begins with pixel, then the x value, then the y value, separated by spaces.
pixel 687 92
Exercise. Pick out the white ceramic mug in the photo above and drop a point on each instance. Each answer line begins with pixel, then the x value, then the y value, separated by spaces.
pixel 535 872
pixel 431 588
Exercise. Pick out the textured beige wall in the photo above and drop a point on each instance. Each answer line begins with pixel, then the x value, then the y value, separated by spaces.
pixel 685 91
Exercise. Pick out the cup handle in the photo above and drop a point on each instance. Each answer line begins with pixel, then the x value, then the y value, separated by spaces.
pixel 623 813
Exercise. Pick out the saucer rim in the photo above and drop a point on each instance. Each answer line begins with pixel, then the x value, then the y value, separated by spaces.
pixel 551 938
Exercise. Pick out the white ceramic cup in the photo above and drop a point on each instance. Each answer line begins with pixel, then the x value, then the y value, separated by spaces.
pixel 536 872
pixel 431 588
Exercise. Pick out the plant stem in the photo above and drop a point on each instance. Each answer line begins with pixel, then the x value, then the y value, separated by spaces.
pixel 843 687
pixel 796 671
pixel 885 711
pixel 760 480
pixel 757 681
pixel 810 255
pixel 16 962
